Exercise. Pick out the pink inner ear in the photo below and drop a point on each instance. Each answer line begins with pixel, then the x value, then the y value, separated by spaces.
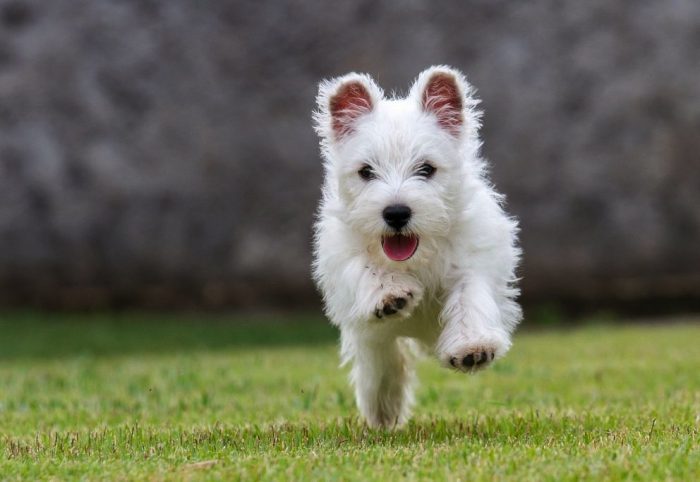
pixel 350 102
pixel 443 98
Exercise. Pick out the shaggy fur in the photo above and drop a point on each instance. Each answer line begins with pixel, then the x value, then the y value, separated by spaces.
pixel 456 295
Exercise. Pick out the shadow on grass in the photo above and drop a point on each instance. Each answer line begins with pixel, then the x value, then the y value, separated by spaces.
pixel 44 335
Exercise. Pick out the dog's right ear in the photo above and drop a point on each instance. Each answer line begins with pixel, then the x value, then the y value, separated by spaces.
pixel 342 102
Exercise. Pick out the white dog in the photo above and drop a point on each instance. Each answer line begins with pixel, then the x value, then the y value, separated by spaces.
pixel 411 243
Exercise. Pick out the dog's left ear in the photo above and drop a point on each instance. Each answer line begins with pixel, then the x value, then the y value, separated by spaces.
pixel 444 92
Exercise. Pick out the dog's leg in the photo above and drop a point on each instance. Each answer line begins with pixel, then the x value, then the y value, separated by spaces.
pixel 382 374
pixel 473 332
pixel 368 305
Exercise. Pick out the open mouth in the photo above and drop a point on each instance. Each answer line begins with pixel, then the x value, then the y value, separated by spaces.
pixel 399 247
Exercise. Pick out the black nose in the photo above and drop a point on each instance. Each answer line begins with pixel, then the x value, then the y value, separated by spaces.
pixel 397 215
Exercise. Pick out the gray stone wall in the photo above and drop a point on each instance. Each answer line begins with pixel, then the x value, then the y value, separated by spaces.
pixel 160 152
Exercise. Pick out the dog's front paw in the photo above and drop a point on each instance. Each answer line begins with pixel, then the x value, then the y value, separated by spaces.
pixel 398 298
pixel 473 358
pixel 395 304
pixel 471 354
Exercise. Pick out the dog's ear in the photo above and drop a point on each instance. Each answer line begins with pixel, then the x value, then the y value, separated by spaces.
pixel 342 102
pixel 444 92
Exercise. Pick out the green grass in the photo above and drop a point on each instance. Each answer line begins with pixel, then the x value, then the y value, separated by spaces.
pixel 187 397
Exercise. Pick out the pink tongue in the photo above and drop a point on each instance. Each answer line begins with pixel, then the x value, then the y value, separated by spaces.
pixel 399 247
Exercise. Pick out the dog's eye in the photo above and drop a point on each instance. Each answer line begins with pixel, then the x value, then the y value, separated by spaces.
pixel 366 173
pixel 426 170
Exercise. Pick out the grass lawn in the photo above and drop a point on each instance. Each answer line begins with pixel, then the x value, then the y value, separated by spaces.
pixel 189 397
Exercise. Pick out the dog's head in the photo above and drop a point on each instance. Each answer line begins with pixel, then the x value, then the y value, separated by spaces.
pixel 397 166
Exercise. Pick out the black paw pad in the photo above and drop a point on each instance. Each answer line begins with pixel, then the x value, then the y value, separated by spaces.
pixel 468 360
pixel 483 358
pixel 473 360
pixel 391 306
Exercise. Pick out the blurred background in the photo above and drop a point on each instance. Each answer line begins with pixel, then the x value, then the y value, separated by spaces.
pixel 160 154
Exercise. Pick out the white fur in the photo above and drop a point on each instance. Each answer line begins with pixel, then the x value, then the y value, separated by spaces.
pixel 461 278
